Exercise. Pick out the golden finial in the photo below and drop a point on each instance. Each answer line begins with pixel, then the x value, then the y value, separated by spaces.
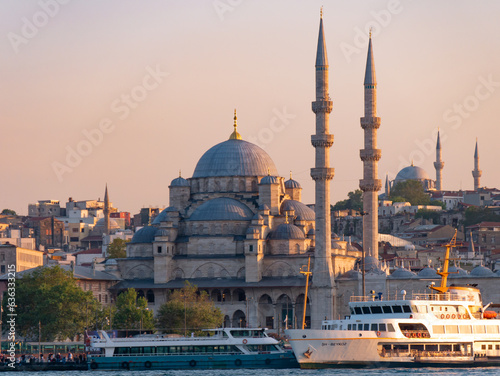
pixel 290 174
pixel 286 217
pixel 371 29
pixel 235 135
pixel 412 162
pixel 268 171
pixel 180 175
pixel 321 12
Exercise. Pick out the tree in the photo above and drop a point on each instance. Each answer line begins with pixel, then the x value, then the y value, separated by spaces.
pixel 49 296
pixel 429 215
pixel 8 212
pixel 189 309
pixel 354 201
pixel 438 203
pixel 132 312
pixel 117 248
pixel 474 215
pixel 412 191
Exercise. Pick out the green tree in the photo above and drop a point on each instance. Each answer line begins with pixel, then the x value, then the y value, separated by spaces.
pixel 412 191
pixel 189 309
pixel 438 203
pixel 474 215
pixel 8 212
pixel 428 214
pixel 117 248
pixel 131 311
pixel 49 296
pixel 354 201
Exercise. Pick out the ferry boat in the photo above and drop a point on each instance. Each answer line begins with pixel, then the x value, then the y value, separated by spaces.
pixel 446 326
pixel 222 348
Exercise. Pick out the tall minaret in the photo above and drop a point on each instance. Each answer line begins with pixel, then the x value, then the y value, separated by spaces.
pixel 106 212
pixel 322 288
pixel 387 187
pixel 370 155
pixel 476 173
pixel 438 165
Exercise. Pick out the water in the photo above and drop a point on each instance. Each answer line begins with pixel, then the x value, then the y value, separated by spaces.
pixel 489 371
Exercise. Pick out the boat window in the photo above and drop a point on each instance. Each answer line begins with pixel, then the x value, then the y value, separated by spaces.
pixel 262 348
pixel 390 328
pixel 497 347
pixel 490 347
pixel 360 326
pixel 387 309
pixel 348 326
pixel 352 310
pixel 374 327
pixel 148 350
pixel 121 350
pixel 438 329
pixel 417 347
pixel 358 310
pixel 492 329
pixel 478 328
pixel 465 329
pixel 483 347
pixel 366 310
pixel 366 327
pixel 406 309
pixel 135 350
pixel 397 309
pixel 376 309
pixel 452 329
pixel 382 327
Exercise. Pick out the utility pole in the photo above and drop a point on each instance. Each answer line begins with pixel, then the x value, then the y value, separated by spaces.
pixel 307 274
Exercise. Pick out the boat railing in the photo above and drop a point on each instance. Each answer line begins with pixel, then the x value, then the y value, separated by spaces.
pixel 161 339
pixel 415 296
pixel 172 354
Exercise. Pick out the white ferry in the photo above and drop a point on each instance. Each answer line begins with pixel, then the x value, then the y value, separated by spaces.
pixel 221 348
pixel 448 325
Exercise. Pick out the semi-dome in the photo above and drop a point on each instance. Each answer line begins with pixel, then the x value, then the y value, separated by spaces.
pixel 235 158
pixel 179 182
pixel 222 209
pixel 481 271
pixel 269 180
pixel 301 209
pixel 286 231
pixel 144 235
pixel 412 173
pixel 428 273
pixel 112 223
pixel 292 184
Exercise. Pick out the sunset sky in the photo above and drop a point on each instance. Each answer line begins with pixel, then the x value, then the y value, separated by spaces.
pixel 129 92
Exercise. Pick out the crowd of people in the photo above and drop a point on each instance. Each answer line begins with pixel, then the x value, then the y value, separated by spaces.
pixel 47 358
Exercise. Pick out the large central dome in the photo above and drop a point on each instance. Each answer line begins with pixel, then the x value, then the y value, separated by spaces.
pixel 235 158
pixel 412 173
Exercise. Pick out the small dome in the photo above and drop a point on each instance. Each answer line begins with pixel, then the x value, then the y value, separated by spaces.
pixel 222 209
pixel 292 184
pixel 457 272
pixel 163 216
pixel 412 173
pixel 179 182
pixel 428 273
pixel 301 210
pixel 371 263
pixel 112 223
pixel 310 232
pixel 110 262
pixel 402 273
pixel 286 231
pixel 269 180
pixel 351 274
pixel 336 245
pixel 481 271
pixel 144 235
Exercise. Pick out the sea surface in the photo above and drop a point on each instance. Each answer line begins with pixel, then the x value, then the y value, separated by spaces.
pixel 489 371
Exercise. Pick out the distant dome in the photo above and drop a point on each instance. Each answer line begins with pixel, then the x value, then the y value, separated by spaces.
pixel 179 182
pixel 235 158
pixel 163 216
pixel 112 223
pixel 286 231
pixel 481 271
pixel 428 273
pixel 222 209
pixel 110 262
pixel 336 245
pixel 402 273
pixel 457 272
pixel 412 173
pixel 371 263
pixel 351 274
pixel 269 180
pixel 310 232
pixel 292 184
pixel 144 235
pixel 301 210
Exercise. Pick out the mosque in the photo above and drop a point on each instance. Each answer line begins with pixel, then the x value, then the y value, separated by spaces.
pixel 239 231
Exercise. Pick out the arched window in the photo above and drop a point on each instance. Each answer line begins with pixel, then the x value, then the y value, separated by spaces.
pixel 150 296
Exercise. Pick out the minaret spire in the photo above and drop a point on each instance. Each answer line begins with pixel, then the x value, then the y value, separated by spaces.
pixel 438 165
pixel 370 155
pixel 322 173
pixel 387 187
pixel 106 211
pixel 476 173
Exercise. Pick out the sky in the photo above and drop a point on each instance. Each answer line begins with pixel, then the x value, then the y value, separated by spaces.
pixel 127 93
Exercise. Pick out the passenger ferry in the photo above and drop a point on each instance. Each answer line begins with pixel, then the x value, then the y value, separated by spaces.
pixel 446 326
pixel 222 348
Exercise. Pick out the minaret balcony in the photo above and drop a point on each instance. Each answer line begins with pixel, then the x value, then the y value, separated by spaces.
pixel 322 106
pixel 322 173
pixel 370 154
pixel 370 185
pixel 322 140
pixel 372 122
pixel 477 173
pixel 438 165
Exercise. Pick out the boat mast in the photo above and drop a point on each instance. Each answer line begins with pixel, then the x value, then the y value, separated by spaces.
pixel 444 274
pixel 307 274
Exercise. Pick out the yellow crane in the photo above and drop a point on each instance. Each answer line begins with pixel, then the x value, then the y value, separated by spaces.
pixel 444 274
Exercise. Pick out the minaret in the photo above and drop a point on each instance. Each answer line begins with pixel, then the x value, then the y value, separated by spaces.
pixel 476 173
pixel 322 281
pixel 438 165
pixel 370 155
pixel 106 212
pixel 387 187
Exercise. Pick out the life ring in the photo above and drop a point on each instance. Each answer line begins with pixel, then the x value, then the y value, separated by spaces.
pixel 245 341
pixel 147 364
pixel 125 365
pixel 378 334
pixel 94 365
pixel 237 362
pixel 459 316
pixel 453 316
pixel 448 316
pixel 192 363
pixel 268 361
pixel 442 315
pixel 419 335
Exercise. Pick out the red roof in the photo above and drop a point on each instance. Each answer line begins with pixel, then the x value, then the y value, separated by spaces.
pixel 92 251
pixel 485 224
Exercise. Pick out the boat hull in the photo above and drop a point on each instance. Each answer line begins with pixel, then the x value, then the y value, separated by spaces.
pixel 223 361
